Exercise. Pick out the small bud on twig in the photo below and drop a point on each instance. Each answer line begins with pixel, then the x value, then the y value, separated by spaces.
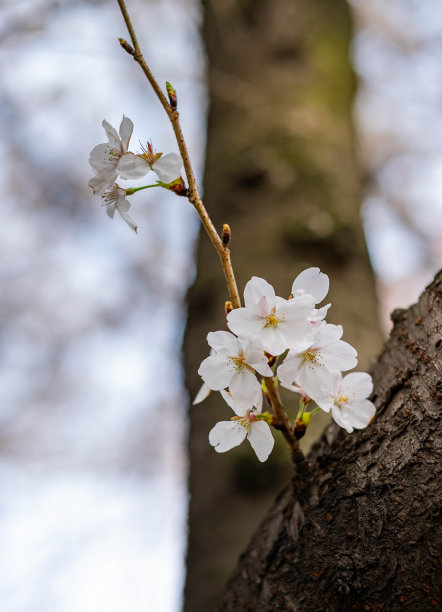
pixel 228 307
pixel 300 429
pixel 171 92
pixel 226 235
pixel 126 46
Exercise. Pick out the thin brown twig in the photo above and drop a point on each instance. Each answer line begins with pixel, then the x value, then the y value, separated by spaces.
pixel 194 196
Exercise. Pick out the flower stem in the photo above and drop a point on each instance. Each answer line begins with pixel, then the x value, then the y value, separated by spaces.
pixel 133 190
pixel 287 431
pixel 315 411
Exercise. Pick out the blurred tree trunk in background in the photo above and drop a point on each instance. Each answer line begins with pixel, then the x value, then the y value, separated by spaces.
pixel 281 170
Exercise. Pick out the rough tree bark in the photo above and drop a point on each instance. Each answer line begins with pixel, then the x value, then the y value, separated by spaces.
pixel 281 170
pixel 363 530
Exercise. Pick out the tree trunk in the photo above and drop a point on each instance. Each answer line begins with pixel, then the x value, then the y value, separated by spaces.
pixel 362 531
pixel 281 171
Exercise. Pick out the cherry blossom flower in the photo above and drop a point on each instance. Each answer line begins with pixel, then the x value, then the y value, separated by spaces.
pixel 346 397
pixel 310 363
pixel 246 424
pixel 112 158
pixel 115 199
pixel 233 365
pixel 279 323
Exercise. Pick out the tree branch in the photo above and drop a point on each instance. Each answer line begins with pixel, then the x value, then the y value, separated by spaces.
pixel 194 196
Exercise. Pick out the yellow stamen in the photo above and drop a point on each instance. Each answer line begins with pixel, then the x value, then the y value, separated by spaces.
pixel 341 399
pixel 239 362
pixel 271 319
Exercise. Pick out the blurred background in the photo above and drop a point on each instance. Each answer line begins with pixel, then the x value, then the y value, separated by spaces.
pixel 93 425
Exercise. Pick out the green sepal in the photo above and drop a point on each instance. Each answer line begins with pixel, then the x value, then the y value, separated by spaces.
pixel 267 417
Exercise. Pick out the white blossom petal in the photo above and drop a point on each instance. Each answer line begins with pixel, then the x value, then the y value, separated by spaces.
pixel 339 355
pixel 261 439
pixel 354 414
pixel 294 315
pixel 273 340
pixel 115 199
pixel 257 402
pixel 262 367
pixel 327 333
pixel 244 322
pixel 312 281
pixel 203 393
pixel 226 435
pixel 243 387
pixel 112 135
pixel 256 289
pixel 241 409
pixel 358 384
pixel 215 372
pixel 103 180
pixel 315 381
pixel 128 219
pixel 238 409
pixel 103 156
pixel 289 368
pixel 255 357
pixel 325 403
pixel 319 313
pixel 126 129
pixel 131 166
pixel 168 167
pixel 223 342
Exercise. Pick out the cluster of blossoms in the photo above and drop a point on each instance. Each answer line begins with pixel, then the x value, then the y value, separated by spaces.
pixel 268 327
pixel 113 158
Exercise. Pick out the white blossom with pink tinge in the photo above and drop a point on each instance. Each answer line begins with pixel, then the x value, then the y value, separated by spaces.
pixel 112 158
pixel 246 424
pixel 309 364
pixel 233 365
pixel 277 322
pixel 115 199
pixel 347 399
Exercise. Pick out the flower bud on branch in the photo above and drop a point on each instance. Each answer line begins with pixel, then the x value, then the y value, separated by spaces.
pixel 126 46
pixel 228 307
pixel 226 235
pixel 171 92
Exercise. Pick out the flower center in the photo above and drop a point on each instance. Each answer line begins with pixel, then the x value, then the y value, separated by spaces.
pixel 271 319
pixel 311 356
pixel 238 362
pixel 149 154
pixel 341 399
pixel 109 197
pixel 245 421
